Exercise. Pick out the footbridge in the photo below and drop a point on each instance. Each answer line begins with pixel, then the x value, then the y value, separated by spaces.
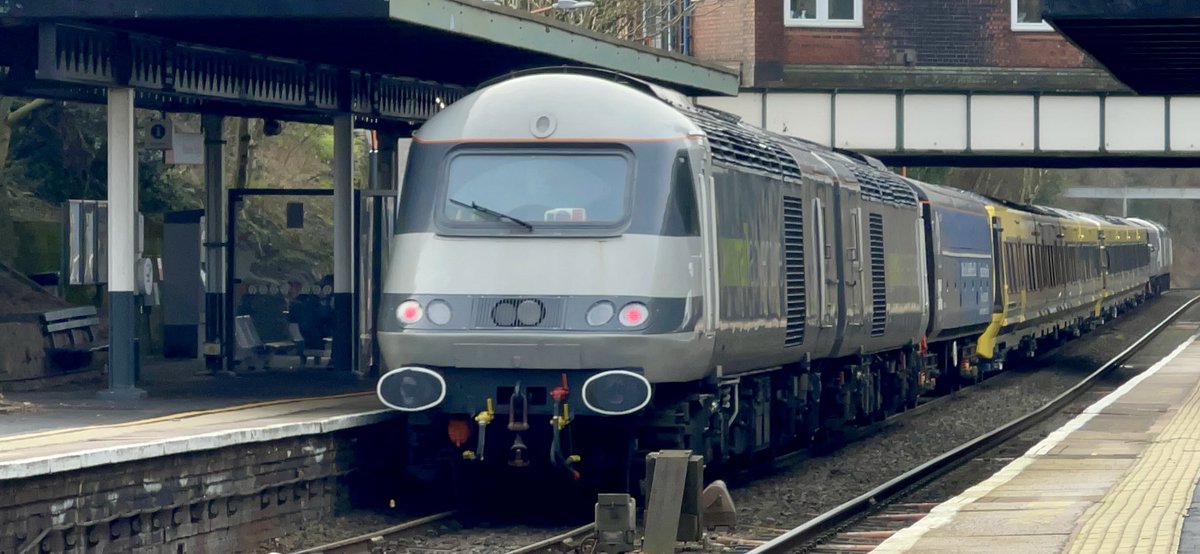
pixel 967 128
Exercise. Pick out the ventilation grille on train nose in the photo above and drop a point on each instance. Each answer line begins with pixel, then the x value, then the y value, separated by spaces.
pixel 493 312
pixel 793 255
pixel 878 276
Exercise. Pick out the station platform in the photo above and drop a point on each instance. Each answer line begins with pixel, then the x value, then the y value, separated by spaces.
pixel 185 409
pixel 172 386
pixel 1119 477
pixel 207 463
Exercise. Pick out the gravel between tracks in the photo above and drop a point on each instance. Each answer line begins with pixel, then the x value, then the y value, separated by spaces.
pixel 439 537
pixel 774 503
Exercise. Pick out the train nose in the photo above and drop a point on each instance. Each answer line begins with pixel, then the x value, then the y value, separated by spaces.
pixel 411 389
pixel 616 392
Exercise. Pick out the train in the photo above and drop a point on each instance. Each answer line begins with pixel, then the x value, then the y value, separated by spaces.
pixel 638 272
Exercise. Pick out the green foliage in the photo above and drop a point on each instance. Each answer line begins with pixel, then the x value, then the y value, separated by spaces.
pixel 40 246
pixel 61 153
pixel 8 248
pixel 934 175
pixel 276 253
pixel 1051 187
pixel 324 140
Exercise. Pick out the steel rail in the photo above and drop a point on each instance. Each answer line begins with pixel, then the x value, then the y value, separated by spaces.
pixel 356 544
pixel 555 540
pixel 829 522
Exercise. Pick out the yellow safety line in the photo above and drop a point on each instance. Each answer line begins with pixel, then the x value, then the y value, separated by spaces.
pixel 181 415
pixel 1144 511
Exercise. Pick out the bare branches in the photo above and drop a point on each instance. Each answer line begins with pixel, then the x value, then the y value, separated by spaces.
pixel 14 117
pixel 652 22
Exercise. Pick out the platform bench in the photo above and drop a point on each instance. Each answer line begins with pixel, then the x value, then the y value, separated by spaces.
pixel 257 353
pixel 72 334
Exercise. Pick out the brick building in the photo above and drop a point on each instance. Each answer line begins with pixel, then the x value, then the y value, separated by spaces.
pixel 935 82
pixel 953 45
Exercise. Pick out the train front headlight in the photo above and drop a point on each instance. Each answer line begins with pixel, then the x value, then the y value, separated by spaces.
pixel 411 389
pixel 616 392
pixel 409 312
pixel 438 312
pixel 600 313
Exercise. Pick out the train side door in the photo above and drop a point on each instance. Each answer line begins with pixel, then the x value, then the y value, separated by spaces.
pixel 852 255
pixel 705 196
pixel 1102 263
pixel 824 263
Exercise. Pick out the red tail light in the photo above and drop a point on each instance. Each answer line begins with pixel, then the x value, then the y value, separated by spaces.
pixel 634 314
pixel 409 312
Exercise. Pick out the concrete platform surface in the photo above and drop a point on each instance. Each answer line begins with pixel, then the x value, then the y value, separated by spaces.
pixel 1119 477
pixel 172 386
pixel 186 409
pixel 32 454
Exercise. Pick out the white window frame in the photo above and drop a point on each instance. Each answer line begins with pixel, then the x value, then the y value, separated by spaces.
pixel 822 19
pixel 1025 26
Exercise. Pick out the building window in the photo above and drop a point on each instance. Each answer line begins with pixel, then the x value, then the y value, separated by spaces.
pixel 1027 16
pixel 822 13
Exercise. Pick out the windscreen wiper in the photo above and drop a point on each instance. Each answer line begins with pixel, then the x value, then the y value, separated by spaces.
pixel 493 213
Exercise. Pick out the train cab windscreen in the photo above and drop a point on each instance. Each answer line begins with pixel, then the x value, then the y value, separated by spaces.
pixel 537 189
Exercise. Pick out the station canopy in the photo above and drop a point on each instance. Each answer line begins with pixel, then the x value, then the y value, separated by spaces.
pixel 1153 46
pixel 385 61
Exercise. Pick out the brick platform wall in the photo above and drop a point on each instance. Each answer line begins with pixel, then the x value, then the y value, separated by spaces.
pixel 223 500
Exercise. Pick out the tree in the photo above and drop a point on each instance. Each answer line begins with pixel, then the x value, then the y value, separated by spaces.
pixel 9 118
pixel 651 22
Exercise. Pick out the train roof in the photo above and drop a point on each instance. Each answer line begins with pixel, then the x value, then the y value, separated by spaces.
pixel 545 107
pixel 1149 223
pixel 514 104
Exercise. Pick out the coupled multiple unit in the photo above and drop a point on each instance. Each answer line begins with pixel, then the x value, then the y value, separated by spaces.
pixel 587 266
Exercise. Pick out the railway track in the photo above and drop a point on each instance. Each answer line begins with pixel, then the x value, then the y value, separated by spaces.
pixel 366 541
pixel 862 523
pixel 382 540
pixel 575 540
pixel 856 530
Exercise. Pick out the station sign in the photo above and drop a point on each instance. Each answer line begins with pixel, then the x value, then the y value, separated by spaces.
pixel 158 134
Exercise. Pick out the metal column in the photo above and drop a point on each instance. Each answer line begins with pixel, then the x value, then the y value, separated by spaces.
pixel 379 204
pixel 122 234
pixel 214 242
pixel 344 320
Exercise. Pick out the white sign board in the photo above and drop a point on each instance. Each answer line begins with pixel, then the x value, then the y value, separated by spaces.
pixel 186 149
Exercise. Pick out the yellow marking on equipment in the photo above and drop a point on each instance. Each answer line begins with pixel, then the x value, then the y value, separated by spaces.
pixel 1144 512
pixel 986 345
pixel 181 415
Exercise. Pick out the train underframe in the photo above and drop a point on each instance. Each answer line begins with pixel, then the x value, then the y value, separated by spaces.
pixel 734 422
